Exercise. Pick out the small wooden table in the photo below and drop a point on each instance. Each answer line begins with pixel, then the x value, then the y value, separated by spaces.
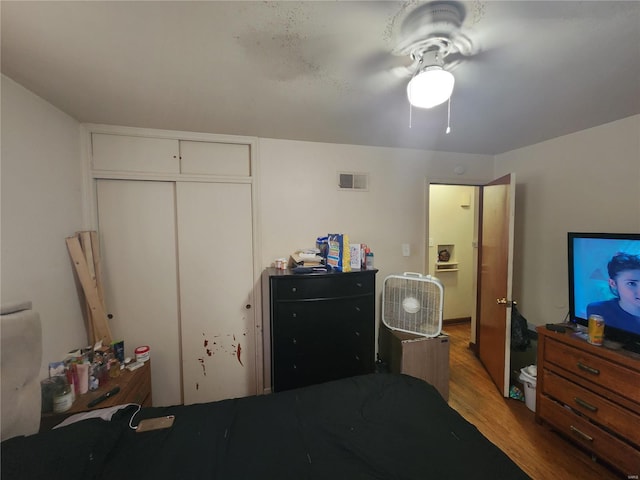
pixel 135 387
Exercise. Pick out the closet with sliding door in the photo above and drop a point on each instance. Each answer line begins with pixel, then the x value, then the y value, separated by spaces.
pixel 175 215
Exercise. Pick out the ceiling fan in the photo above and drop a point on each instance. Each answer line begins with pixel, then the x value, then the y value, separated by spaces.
pixel 432 36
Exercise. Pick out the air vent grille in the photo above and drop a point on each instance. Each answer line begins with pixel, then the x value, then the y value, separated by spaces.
pixel 353 181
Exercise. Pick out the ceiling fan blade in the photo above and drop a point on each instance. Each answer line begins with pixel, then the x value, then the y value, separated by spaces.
pixel 381 71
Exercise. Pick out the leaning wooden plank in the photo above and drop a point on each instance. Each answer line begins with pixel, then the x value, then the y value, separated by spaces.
pixel 87 250
pixel 85 242
pixel 98 315
pixel 88 322
pixel 97 268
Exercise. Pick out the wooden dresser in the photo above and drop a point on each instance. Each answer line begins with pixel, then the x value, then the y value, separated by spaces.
pixel 322 326
pixel 591 394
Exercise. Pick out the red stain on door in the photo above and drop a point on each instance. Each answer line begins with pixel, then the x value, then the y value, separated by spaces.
pixel 238 351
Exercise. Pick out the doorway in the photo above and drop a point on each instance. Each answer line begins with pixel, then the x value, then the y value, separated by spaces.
pixel 493 219
pixel 452 249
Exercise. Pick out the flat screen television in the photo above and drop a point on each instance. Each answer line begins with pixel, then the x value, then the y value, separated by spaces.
pixel 604 278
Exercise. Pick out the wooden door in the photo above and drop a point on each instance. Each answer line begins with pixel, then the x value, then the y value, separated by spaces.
pixel 495 279
pixel 137 229
pixel 215 244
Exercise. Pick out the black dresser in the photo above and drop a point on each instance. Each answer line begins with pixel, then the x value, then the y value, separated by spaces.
pixel 322 326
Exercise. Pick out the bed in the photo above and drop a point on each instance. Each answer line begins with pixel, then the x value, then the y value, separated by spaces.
pixel 377 426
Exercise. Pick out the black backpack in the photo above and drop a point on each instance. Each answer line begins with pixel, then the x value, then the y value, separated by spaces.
pixel 519 331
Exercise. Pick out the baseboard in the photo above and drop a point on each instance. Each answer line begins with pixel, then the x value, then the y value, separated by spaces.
pixel 454 321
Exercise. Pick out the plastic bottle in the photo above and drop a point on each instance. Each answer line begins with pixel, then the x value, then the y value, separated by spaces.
pixel 369 260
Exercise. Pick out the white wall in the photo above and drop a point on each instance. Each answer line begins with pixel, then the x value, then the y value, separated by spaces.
pixel 299 199
pixel 41 205
pixel 588 181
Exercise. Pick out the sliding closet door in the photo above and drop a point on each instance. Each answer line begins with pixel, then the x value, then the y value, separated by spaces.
pixel 216 284
pixel 138 243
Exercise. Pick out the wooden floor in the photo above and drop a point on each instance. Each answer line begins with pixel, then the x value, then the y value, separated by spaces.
pixel 508 423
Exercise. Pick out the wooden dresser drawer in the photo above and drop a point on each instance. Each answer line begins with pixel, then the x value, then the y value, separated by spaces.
pixel 140 391
pixel 594 369
pixel 593 406
pixel 618 453
pixel 301 287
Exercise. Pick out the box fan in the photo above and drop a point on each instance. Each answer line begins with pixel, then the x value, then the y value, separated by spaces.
pixel 412 303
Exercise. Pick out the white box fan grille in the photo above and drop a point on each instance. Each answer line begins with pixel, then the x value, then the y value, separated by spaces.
pixel 413 303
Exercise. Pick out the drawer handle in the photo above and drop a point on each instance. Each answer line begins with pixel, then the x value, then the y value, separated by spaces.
pixel 294 315
pixel 359 285
pixel 357 357
pixel 357 333
pixel 586 405
pixel 294 341
pixel 357 309
pixel 580 434
pixel 589 369
pixel 294 289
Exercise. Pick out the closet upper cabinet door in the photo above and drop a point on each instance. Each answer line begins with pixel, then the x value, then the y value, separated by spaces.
pixel 208 158
pixel 124 153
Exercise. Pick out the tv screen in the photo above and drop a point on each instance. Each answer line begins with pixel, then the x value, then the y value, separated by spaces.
pixel 604 279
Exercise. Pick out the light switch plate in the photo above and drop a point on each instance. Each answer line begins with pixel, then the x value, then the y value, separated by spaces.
pixel 406 250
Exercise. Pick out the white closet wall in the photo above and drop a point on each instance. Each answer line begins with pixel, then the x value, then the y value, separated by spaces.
pixel 214 245
pixel 175 216
pixel 140 275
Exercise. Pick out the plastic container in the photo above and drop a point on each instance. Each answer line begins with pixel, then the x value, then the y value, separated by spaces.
pixel 528 376
pixel 369 260
pixel 63 397
pixel 142 353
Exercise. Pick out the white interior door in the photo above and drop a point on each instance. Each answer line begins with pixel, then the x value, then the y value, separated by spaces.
pixel 138 243
pixel 216 285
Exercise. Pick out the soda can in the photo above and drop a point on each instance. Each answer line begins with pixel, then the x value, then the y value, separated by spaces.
pixel 596 330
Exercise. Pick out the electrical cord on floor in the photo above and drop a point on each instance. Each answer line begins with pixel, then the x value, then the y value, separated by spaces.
pixel 132 416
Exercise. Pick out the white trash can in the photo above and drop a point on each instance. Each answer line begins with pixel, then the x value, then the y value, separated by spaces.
pixel 528 376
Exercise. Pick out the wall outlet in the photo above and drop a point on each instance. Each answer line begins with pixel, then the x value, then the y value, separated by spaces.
pixel 406 250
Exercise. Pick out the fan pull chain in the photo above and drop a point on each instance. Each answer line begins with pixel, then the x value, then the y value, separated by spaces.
pixel 412 77
pixel 410 113
pixel 448 130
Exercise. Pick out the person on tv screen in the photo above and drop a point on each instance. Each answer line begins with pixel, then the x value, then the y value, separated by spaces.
pixel 622 311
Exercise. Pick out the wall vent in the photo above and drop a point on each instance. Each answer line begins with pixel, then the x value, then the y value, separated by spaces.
pixel 353 181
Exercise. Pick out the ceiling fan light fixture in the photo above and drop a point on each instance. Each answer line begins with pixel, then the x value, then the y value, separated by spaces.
pixel 430 87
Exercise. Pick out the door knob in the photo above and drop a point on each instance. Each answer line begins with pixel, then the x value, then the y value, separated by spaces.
pixel 504 301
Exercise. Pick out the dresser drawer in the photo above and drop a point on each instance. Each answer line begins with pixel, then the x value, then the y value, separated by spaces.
pixel 301 287
pixel 595 369
pixel 579 429
pixel 140 392
pixel 298 315
pixel 323 327
pixel 355 340
pixel 593 406
pixel 308 370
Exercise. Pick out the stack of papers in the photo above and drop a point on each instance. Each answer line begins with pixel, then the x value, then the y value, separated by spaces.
pixel 305 259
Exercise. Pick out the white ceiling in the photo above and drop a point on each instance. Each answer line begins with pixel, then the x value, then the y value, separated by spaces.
pixel 321 71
